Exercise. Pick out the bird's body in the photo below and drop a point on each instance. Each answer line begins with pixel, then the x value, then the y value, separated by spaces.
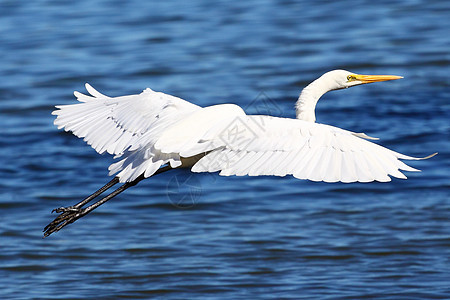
pixel 152 130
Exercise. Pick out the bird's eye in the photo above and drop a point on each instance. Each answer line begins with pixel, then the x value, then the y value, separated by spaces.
pixel 350 77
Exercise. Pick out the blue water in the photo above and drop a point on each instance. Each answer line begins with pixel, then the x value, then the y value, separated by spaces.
pixel 177 236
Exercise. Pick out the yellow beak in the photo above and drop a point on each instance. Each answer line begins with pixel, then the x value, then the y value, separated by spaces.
pixel 375 78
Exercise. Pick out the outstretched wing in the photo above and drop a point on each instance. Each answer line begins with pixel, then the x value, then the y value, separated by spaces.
pixel 125 126
pixel 113 124
pixel 264 145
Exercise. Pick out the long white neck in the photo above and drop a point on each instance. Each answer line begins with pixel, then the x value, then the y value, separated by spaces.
pixel 306 103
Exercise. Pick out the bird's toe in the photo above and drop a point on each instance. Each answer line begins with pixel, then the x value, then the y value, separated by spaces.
pixel 71 209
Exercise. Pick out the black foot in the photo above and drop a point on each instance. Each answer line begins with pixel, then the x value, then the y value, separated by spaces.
pixel 68 215
pixel 66 209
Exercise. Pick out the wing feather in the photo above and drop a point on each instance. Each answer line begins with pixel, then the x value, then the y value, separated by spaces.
pixel 257 167
pixel 126 126
pixel 305 150
pixel 113 124
pixel 244 164
pixel 326 165
pixel 278 159
pixel 348 172
pixel 313 168
pixel 333 169
pixel 363 171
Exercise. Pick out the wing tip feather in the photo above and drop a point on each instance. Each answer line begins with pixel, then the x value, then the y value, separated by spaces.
pixel 365 136
pixel 429 156
pixel 416 158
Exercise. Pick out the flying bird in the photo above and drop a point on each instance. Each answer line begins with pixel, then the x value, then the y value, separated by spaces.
pixel 153 132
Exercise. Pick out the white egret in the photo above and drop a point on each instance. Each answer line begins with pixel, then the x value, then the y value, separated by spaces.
pixel 153 132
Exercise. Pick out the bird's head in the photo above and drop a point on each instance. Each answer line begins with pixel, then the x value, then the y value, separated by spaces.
pixel 333 80
pixel 341 79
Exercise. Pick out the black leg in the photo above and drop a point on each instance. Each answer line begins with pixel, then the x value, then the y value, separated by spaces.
pixel 72 213
pixel 77 207
pixel 88 199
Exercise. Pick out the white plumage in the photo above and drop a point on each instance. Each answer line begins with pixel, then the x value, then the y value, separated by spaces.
pixel 126 126
pixel 152 129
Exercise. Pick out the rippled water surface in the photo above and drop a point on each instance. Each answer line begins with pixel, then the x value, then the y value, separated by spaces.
pixel 204 236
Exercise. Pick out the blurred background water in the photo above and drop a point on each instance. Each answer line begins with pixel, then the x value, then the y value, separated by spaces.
pixel 205 236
